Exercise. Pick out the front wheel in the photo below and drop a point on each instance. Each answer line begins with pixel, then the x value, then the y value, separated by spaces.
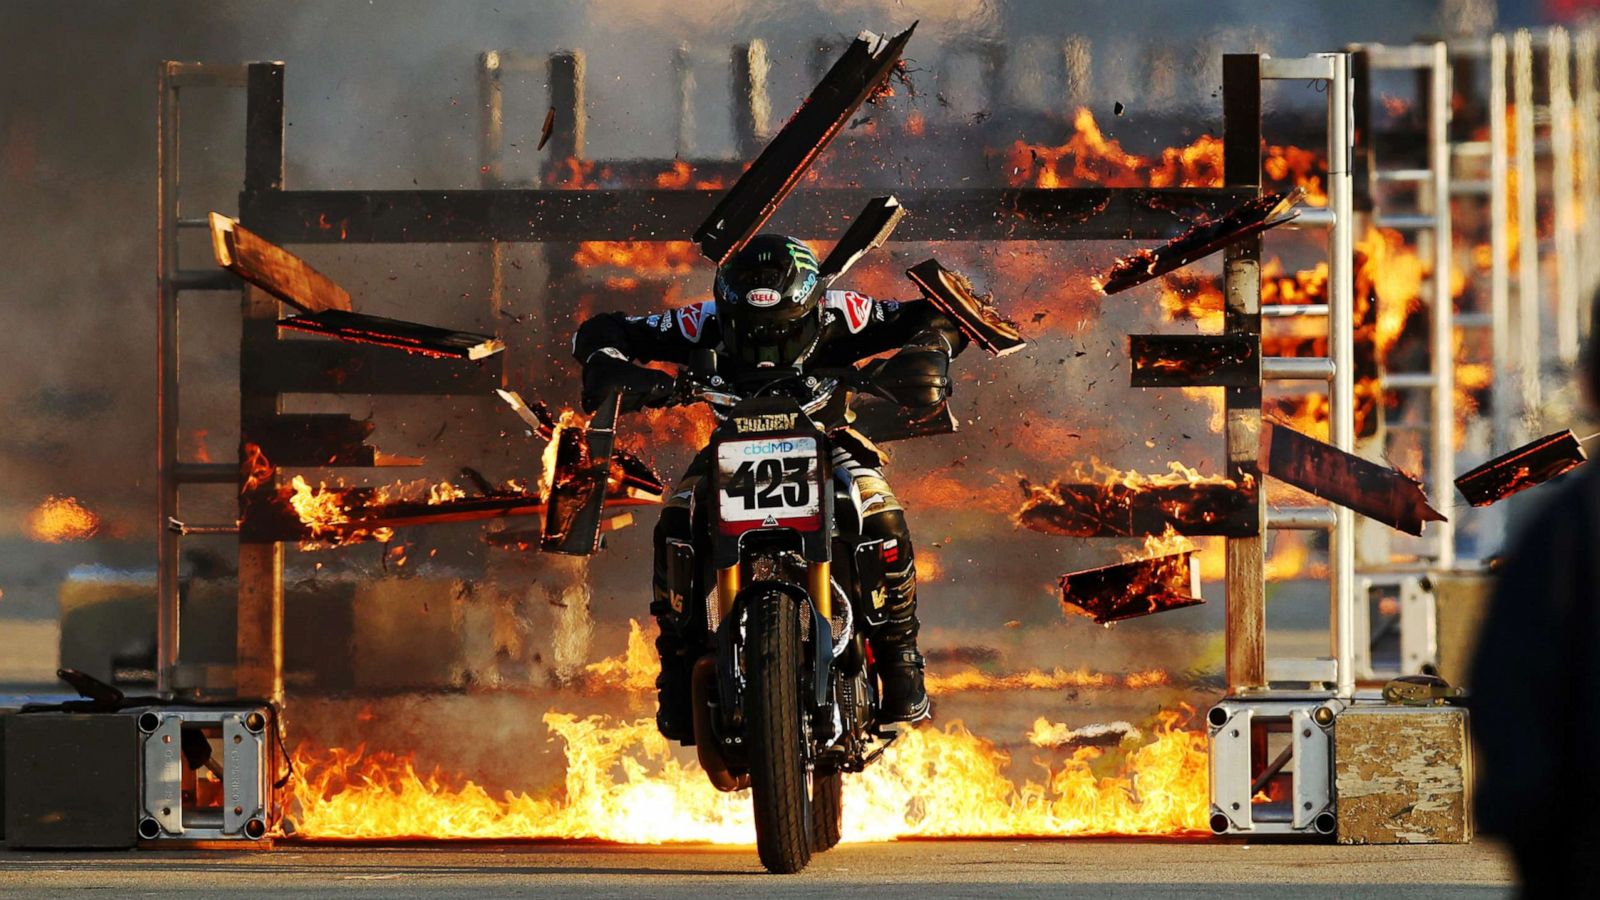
pixel 776 742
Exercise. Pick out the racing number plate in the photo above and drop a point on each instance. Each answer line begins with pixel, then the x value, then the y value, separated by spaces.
pixel 768 483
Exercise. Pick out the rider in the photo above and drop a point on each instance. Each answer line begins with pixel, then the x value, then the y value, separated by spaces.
pixel 768 314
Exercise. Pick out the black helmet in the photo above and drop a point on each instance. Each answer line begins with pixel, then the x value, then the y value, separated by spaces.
pixel 768 303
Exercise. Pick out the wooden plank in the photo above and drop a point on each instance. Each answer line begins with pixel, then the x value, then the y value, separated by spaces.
pixel 1402 774
pixel 330 367
pixel 273 269
pixel 1246 220
pixel 1531 464
pixel 412 337
pixel 1113 510
pixel 1133 589
pixel 548 215
pixel 1246 613
pixel 1377 492
pixel 1194 360
pixel 861 70
pixel 975 314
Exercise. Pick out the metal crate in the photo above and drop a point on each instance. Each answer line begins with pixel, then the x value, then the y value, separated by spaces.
pixel 1272 765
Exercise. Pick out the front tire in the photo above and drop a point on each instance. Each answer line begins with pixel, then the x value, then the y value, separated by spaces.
pixel 777 754
pixel 827 809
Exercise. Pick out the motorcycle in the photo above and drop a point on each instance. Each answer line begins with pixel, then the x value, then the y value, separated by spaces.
pixel 785 695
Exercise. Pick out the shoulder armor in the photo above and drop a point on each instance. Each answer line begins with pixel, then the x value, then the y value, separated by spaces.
pixel 856 309
pixel 692 319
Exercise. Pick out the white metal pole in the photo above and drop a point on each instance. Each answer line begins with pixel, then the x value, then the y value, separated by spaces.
pixel 1562 196
pixel 1341 342
pixel 1531 363
pixel 1444 391
pixel 1499 248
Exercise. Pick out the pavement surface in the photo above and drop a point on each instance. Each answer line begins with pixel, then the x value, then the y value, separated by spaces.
pixel 999 868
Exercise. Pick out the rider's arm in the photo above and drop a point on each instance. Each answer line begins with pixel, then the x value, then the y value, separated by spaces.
pixel 609 345
pixel 918 375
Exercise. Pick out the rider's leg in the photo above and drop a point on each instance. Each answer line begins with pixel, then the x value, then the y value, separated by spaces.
pixel 674 606
pixel 894 643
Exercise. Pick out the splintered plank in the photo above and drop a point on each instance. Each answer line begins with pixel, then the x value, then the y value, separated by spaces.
pixel 1245 220
pixel 1116 510
pixel 1195 360
pixel 578 485
pixel 1525 467
pixel 423 340
pixel 976 316
pixel 630 475
pixel 861 71
pixel 867 232
pixel 1378 492
pixel 273 269
pixel 536 416
pixel 1132 589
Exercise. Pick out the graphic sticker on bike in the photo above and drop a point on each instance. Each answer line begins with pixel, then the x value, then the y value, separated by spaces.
pixel 768 483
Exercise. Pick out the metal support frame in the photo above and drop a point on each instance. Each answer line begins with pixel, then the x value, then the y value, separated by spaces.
pixel 171 282
pixel 1526 217
pixel 1431 226
pixel 1246 585
pixel 1563 196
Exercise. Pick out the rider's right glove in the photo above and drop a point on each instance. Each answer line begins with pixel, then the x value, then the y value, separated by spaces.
pixel 640 386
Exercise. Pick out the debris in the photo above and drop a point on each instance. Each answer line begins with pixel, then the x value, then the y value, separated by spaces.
pixel 1195 360
pixel 545 129
pixel 424 340
pixel 578 487
pixel 1117 108
pixel 871 227
pixel 1205 238
pixel 976 315
pixel 537 417
pixel 1378 492
pixel 1525 467
pixel 273 269
pixel 741 212
pixel 1132 589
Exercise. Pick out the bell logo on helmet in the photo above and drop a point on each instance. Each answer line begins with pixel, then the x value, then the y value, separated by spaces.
pixel 763 297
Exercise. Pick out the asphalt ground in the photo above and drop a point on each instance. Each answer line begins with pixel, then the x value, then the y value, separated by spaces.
pixel 996 868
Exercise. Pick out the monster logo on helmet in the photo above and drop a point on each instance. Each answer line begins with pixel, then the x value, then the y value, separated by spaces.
pixel 767 303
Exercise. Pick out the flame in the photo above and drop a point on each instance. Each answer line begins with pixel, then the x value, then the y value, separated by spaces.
pixel 1090 158
pixel 1054 735
pixel 928 566
pixel 1026 680
pixel 623 783
pixel 634 670
pixel 1097 472
pixel 1146 679
pixel 59 520
pixel 642 257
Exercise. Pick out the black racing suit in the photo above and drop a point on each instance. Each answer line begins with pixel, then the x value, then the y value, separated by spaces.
pixel 854 328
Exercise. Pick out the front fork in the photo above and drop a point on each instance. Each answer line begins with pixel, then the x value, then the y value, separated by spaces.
pixel 819 584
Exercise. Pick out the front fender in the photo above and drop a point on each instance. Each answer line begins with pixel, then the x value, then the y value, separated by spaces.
pixel 730 641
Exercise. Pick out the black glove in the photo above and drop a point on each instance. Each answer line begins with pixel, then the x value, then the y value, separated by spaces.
pixel 639 386
pixel 919 380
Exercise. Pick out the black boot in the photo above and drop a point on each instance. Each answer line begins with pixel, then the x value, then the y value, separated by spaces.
pixel 894 646
pixel 674 703
pixel 904 697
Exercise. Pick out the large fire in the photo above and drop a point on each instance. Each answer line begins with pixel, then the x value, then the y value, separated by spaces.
pixel 624 783
pixel 59 520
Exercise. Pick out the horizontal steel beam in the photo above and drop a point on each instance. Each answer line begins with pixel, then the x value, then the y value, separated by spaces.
pixel 1297 368
pixel 1305 68
pixel 1300 518
pixel 532 216
pixel 1290 310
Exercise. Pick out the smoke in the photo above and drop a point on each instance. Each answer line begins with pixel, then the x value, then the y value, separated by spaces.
pixel 573 630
